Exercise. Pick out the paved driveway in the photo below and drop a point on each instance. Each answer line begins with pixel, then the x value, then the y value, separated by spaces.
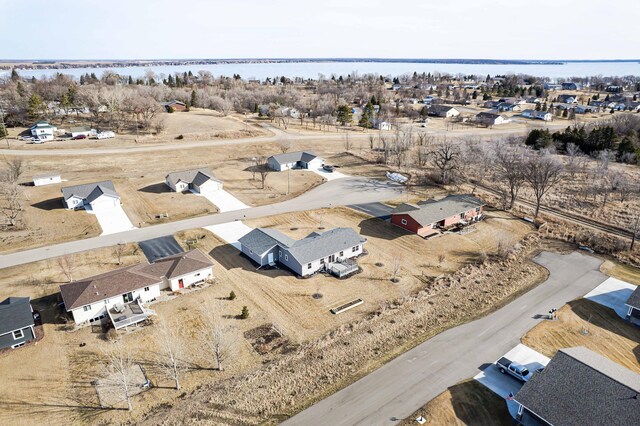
pixel 157 248
pixel 224 201
pixel 379 210
pixel 231 232
pixel 329 175
pixel 400 387
pixel 112 219
pixel 613 293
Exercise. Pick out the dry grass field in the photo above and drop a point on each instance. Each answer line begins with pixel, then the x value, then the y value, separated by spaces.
pixel 622 272
pixel 586 323
pixel 467 403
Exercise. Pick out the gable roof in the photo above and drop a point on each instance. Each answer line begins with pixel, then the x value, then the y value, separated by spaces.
pixel 489 116
pixel 293 157
pixel 634 299
pixel 178 264
pixel 195 176
pixel 90 191
pixel 580 387
pixel 431 211
pixel 439 109
pixel 15 313
pixel 318 245
pixel 260 240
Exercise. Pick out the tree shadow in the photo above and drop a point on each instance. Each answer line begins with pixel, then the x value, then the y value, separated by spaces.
pixel 50 204
pixel 156 188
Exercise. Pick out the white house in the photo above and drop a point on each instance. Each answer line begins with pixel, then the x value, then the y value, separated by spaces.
pixel 383 125
pixel 537 115
pixel 491 119
pixel 82 131
pixel 43 131
pixel 443 111
pixel 46 179
pixel 294 160
pixel 120 296
pixel 196 180
pixel 90 194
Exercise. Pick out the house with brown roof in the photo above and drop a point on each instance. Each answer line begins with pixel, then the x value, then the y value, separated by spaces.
pixel 120 296
pixel 426 218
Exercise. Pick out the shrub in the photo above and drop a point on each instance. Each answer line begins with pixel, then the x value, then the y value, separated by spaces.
pixel 171 110
pixel 232 296
pixel 180 137
pixel 245 313
pixel 112 335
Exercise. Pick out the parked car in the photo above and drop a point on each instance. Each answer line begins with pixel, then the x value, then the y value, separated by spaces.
pixel 516 370
pixel 78 137
pixel 106 135
pixel 328 168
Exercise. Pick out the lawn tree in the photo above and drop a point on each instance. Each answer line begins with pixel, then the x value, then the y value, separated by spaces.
pixel 12 170
pixel 284 145
pixel 216 337
pixel 542 172
pixel 478 161
pixel 118 370
pixel 401 144
pixel 446 157
pixel 11 207
pixel 509 164
pixel 171 354
pixel 263 169
pixel 346 142
pixel 118 251
pixel 573 155
pixel 396 265
pixel 67 266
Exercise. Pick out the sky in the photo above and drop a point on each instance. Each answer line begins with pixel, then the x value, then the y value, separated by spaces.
pixel 178 29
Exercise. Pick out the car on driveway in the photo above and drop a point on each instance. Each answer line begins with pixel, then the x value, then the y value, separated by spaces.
pixel 519 371
pixel 75 138
pixel 328 168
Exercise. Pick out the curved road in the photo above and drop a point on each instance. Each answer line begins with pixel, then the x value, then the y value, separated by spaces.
pixel 400 387
pixel 339 192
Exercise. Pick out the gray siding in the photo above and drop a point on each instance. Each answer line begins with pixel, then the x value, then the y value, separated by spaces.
pixel 6 340
pixel 290 262
pixel 261 260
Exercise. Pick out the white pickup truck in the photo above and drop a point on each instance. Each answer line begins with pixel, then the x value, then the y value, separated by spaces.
pixel 518 371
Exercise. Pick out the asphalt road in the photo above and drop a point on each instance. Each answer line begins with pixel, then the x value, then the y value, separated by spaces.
pixel 400 387
pixel 379 210
pixel 334 193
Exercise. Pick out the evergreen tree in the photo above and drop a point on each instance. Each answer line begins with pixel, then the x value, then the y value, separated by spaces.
pixel 344 114
pixel 194 97
pixel 130 81
pixel 539 139
pixel 245 313
pixel 14 75
pixel 35 106
pixel 170 81
pixel 81 80
pixel 20 89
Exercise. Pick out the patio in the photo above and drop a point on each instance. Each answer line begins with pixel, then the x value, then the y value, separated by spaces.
pixel 126 314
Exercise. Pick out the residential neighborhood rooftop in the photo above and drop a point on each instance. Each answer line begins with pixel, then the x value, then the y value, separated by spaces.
pixel 15 313
pixel 431 211
pixel 634 299
pixel 293 157
pixel 90 191
pixel 581 387
pixel 178 264
pixel 196 176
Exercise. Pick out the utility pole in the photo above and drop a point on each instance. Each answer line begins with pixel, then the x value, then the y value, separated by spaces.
pixel 288 180
pixel 2 126
pixel 634 232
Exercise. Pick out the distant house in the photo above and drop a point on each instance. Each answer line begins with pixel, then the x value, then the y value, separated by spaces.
pixel 569 85
pixel 43 131
pixel 317 252
pixel 383 125
pixel 119 296
pixel 176 105
pixel 580 387
pixel 196 180
pixel 552 86
pixel 46 179
pixel 16 322
pixel 426 217
pixel 491 119
pixel 585 109
pixel 82 131
pixel 443 111
pixel 90 194
pixel 537 115
pixel 507 106
pixel 633 303
pixel 567 99
pixel 294 160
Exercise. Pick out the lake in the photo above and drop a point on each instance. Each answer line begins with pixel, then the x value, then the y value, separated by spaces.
pixel 313 69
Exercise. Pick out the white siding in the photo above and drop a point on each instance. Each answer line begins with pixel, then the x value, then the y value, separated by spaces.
pixel 208 186
pixel 190 279
pixel 316 265
pixel 39 181
pixel 80 316
pixel 74 202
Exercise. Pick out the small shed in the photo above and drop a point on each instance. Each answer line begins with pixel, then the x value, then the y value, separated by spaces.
pixel 46 179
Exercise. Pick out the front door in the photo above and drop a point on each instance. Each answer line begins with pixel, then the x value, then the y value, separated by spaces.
pixel 332 258
pixel 180 283
pixel 270 258
pixel 128 297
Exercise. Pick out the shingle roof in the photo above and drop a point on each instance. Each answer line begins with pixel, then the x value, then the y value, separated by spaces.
pixel 634 299
pixel 90 191
pixel 439 109
pixel 580 387
pixel 294 157
pixel 316 246
pixel 15 313
pixel 431 211
pixel 195 176
pixel 46 175
pixel 178 264
pixel 261 240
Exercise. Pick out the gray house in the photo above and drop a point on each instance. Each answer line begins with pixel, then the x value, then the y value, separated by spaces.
pixel 198 180
pixel 16 322
pixel 90 194
pixel 294 160
pixel 317 252
pixel 633 303
pixel 580 387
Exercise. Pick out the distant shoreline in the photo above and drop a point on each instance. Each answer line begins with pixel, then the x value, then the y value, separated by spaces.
pixel 125 63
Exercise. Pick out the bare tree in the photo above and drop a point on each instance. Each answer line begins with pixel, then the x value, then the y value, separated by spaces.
pixel 118 251
pixel 170 357
pixel 217 338
pixel 11 207
pixel 118 371
pixel 263 169
pixel 573 154
pixel 284 145
pixel 346 142
pixel 67 266
pixel 396 265
pixel 542 172
pixel 446 158
pixel 634 231
pixel 509 164
pixel 13 170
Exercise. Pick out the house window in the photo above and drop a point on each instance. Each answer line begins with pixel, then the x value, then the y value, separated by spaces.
pixel 341 253
pixel 404 221
pixel 18 334
pixel 17 345
pixel 198 274
pixel 146 289
pixel 86 308
pixel 309 266
pixel 355 249
pixel 279 253
pixel 461 215
pixel 322 261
